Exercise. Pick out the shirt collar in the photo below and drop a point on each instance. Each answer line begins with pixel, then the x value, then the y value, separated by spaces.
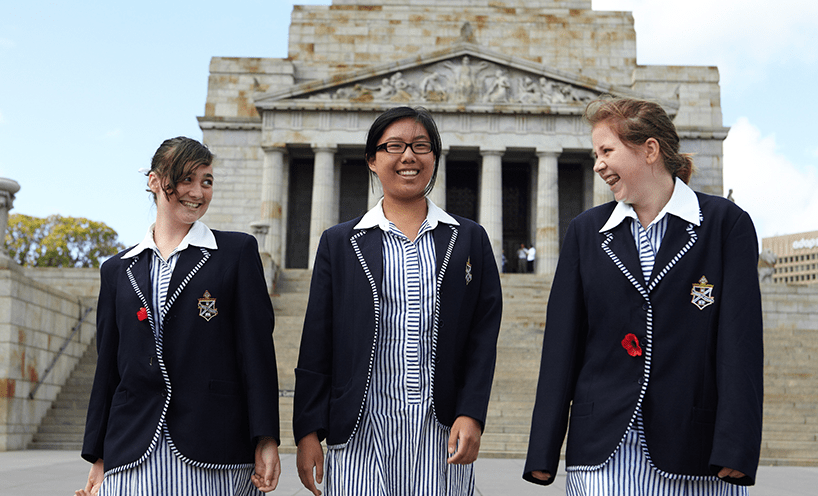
pixel 198 235
pixel 376 218
pixel 683 203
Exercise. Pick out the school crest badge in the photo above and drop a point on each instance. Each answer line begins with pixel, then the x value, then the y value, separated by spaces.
pixel 207 307
pixel 702 294
pixel 468 271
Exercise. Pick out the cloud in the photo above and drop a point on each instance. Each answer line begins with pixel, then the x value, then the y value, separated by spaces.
pixel 742 37
pixel 781 197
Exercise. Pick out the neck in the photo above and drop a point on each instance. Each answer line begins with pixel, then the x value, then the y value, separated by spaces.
pixel 168 237
pixel 655 201
pixel 406 215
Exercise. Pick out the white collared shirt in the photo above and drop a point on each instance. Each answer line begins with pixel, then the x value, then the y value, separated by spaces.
pixel 198 235
pixel 376 218
pixel 683 203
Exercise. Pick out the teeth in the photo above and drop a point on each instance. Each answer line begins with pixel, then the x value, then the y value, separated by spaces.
pixel 408 173
pixel 611 180
pixel 191 205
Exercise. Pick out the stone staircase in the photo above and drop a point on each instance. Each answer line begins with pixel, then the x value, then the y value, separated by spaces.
pixel 63 426
pixel 791 367
pixel 790 434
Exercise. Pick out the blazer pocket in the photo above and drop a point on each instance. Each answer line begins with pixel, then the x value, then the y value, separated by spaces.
pixel 704 416
pixel 582 409
pixel 227 388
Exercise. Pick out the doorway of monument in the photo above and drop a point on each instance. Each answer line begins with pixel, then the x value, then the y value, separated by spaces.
pixel 462 177
pixel 354 189
pixel 516 211
pixel 575 184
pixel 299 207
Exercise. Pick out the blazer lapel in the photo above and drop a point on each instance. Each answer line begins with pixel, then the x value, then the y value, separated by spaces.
pixel 623 249
pixel 678 239
pixel 370 244
pixel 190 261
pixel 139 275
pixel 442 236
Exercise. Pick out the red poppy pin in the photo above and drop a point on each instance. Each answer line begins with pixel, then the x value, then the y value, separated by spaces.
pixel 631 345
pixel 142 314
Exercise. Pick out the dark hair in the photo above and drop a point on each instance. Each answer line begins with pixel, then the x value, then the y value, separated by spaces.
pixel 635 121
pixel 420 115
pixel 176 159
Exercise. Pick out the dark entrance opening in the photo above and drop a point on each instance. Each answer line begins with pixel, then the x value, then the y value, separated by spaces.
pixel 299 208
pixel 461 188
pixel 516 210
pixel 354 189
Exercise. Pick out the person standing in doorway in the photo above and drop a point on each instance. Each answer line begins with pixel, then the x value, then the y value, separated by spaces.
pixel 522 259
pixel 530 256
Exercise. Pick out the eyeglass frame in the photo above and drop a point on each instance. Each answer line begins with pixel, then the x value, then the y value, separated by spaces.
pixel 384 146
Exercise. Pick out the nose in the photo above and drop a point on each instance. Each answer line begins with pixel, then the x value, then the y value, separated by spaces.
pixel 598 165
pixel 196 191
pixel 408 155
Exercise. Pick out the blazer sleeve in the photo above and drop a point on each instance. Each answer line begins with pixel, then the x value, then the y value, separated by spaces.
pixel 481 346
pixel 566 326
pixel 313 373
pixel 106 377
pixel 740 360
pixel 254 326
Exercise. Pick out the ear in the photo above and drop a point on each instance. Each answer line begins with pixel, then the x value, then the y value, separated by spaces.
pixel 371 163
pixel 155 184
pixel 652 150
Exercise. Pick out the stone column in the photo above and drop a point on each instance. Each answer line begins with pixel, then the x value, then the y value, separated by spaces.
pixel 548 213
pixel 269 228
pixel 438 194
pixel 490 213
pixel 323 186
pixel 8 187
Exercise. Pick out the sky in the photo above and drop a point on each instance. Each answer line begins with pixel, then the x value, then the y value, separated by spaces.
pixel 88 91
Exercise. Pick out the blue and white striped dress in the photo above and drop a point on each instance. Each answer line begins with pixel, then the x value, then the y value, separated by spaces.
pixel 399 447
pixel 630 471
pixel 163 472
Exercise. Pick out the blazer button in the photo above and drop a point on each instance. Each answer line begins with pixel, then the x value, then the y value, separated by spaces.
pixel 645 307
pixel 640 381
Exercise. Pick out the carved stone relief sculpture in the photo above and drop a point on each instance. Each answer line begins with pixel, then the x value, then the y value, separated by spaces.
pixel 462 81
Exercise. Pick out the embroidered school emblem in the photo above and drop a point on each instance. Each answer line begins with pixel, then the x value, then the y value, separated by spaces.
pixel 468 271
pixel 207 307
pixel 702 294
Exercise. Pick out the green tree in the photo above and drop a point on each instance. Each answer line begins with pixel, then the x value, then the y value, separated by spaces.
pixel 58 241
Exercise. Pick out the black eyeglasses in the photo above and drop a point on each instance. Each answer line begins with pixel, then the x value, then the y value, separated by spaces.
pixel 397 147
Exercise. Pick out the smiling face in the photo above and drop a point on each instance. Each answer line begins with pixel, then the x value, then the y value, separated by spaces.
pixel 625 169
pixel 403 176
pixel 190 201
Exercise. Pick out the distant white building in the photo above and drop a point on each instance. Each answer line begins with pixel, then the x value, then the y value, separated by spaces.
pixel 796 257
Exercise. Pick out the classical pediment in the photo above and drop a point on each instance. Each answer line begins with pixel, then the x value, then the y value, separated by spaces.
pixel 465 76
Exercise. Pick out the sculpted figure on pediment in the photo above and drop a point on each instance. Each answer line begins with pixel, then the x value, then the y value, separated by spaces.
pixel 498 91
pixel 461 82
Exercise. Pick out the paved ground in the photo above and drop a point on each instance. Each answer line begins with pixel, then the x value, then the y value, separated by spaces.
pixel 59 473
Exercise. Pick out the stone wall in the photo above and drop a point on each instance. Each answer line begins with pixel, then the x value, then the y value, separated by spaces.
pixel 35 320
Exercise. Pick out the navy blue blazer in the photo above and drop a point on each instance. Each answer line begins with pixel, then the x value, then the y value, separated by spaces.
pixel 211 376
pixel 342 321
pixel 701 341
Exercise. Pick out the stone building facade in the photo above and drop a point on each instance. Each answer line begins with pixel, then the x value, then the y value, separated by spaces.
pixel 507 82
